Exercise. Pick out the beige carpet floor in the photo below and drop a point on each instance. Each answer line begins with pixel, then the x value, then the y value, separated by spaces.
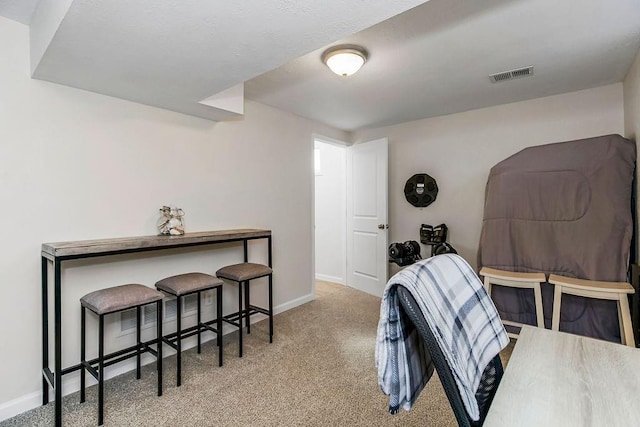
pixel 319 371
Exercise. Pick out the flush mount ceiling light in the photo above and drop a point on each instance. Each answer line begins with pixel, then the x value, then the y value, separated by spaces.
pixel 345 60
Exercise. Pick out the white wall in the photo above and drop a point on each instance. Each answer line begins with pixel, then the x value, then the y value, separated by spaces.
pixel 78 165
pixel 330 213
pixel 458 150
pixel 631 89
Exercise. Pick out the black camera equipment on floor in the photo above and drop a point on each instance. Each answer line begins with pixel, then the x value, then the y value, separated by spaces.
pixel 404 253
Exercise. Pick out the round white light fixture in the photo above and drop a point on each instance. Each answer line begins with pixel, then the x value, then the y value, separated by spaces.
pixel 345 60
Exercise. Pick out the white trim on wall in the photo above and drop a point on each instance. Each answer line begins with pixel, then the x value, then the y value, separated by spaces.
pixel 19 405
pixel 332 279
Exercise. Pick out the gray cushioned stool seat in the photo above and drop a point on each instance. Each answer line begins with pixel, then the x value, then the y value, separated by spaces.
pixel 187 283
pixel 242 274
pixel 119 298
pixel 181 286
pixel 113 300
pixel 244 271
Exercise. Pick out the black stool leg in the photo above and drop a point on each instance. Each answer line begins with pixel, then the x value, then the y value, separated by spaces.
pixel 138 340
pixel 82 353
pixel 270 308
pixel 159 340
pixel 101 369
pixel 179 339
pixel 240 319
pixel 219 323
pixel 247 306
pixel 199 322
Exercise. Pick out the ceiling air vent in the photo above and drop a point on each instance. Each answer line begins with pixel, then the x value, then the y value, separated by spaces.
pixel 511 74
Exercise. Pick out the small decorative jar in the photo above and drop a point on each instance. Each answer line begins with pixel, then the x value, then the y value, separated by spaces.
pixel 170 222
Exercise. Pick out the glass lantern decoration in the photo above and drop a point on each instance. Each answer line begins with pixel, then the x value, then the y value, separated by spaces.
pixel 170 222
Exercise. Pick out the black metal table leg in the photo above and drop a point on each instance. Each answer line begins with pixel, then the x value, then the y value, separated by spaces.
pixel 247 305
pixel 179 339
pixel 83 354
pixel 101 369
pixel 269 244
pixel 58 343
pixel 271 308
pixel 159 341
pixel 45 328
pixel 138 339
pixel 240 319
pixel 199 323
pixel 219 323
pixel 245 246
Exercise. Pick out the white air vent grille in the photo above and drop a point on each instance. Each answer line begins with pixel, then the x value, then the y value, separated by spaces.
pixel 128 317
pixel 170 308
pixel 511 74
pixel 149 314
pixel 190 303
pixel 127 320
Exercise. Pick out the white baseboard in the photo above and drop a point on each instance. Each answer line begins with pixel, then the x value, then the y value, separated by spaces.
pixel 332 279
pixel 292 304
pixel 70 385
pixel 21 404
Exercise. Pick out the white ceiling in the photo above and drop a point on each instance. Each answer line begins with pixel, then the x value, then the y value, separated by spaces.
pixel 431 60
pixel 18 10
pixel 175 53
pixel 435 59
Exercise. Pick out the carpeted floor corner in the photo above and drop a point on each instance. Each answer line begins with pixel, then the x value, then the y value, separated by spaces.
pixel 319 371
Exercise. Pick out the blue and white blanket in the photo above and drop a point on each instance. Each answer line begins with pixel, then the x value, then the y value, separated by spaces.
pixel 462 318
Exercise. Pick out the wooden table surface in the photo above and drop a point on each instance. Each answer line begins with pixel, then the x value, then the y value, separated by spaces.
pixel 82 248
pixel 559 379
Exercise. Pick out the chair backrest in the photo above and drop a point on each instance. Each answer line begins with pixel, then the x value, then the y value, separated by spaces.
pixel 490 378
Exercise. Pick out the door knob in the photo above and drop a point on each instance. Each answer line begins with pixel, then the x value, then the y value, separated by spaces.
pixel 383 226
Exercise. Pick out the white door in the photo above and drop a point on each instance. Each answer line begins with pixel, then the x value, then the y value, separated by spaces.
pixel 367 265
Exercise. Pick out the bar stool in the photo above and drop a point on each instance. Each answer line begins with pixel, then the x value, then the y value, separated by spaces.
pixel 616 291
pixel 113 300
pixel 186 284
pixel 243 273
pixel 514 279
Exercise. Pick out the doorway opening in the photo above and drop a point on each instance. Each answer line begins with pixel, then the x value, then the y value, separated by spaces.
pixel 330 165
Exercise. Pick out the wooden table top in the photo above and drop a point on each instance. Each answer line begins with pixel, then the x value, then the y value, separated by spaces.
pixel 559 379
pixel 123 244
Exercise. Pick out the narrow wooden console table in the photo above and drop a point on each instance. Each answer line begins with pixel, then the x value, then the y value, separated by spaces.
pixel 56 253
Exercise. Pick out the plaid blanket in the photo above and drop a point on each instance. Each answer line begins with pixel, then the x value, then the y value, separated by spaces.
pixel 464 322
